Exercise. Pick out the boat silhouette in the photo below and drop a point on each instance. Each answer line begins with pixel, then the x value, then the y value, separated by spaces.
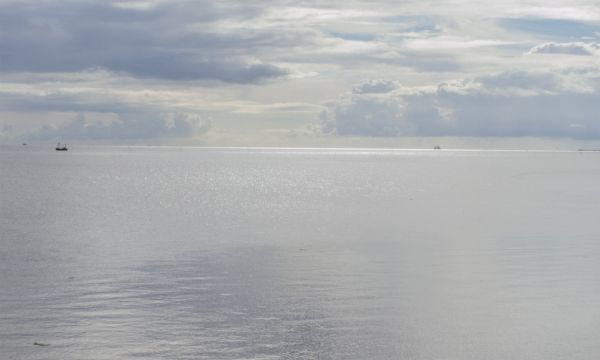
pixel 60 147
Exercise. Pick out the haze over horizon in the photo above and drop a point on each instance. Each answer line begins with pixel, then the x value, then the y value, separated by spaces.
pixel 521 73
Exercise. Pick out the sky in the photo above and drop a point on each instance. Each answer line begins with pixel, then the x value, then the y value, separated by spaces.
pixel 298 72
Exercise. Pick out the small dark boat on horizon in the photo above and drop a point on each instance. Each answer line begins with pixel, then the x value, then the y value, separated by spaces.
pixel 61 148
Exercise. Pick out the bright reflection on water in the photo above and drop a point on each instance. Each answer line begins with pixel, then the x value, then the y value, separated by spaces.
pixel 121 253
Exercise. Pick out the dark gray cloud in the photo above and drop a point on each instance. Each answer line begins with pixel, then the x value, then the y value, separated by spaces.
pixel 186 40
pixel 508 104
pixel 157 42
pixel 130 126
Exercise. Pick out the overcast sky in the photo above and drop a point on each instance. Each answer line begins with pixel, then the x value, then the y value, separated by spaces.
pixel 193 71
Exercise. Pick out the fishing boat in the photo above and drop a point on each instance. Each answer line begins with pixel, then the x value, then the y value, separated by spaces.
pixel 60 147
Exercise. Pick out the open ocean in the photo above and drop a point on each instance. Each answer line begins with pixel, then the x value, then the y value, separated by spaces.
pixel 191 253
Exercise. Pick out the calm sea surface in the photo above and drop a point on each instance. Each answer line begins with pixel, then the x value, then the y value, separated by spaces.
pixel 172 253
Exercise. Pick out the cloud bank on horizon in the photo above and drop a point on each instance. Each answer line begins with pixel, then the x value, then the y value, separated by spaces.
pixel 148 69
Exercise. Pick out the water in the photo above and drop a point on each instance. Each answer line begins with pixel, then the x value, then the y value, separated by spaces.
pixel 170 253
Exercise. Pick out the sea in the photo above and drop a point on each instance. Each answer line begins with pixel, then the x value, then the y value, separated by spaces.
pixel 270 253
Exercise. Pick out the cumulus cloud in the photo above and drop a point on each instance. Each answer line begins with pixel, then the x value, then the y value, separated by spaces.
pixel 364 116
pixel 130 126
pixel 571 48
pixel 507 104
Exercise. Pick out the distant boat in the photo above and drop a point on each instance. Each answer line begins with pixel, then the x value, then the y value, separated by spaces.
pixel 437 147
pixel 61 147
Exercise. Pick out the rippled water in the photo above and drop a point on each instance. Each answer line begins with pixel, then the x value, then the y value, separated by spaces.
pixel 170 253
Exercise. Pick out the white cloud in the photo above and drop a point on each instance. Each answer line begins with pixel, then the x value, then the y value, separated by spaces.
pixel 453 43
pixel 375 87
pixel 571 48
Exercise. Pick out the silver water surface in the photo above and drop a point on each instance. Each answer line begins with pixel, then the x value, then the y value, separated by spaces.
pixel 167 253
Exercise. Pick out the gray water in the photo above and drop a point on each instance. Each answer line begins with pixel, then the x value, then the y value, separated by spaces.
pixel 172 253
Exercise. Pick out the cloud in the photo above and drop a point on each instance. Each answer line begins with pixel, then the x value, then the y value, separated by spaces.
pixel 571 48
pixel 154 42
pixel 354 36
pixel 507 104
pixel 6 131
pixel 168 67
pixel 374 87
pixel 30 101
pixel 226 60
pixel 364 116
pixel 132 126
pixel 520 80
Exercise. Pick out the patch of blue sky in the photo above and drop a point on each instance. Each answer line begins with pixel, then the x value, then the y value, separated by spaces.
pixel 553 28
pixel 354 36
